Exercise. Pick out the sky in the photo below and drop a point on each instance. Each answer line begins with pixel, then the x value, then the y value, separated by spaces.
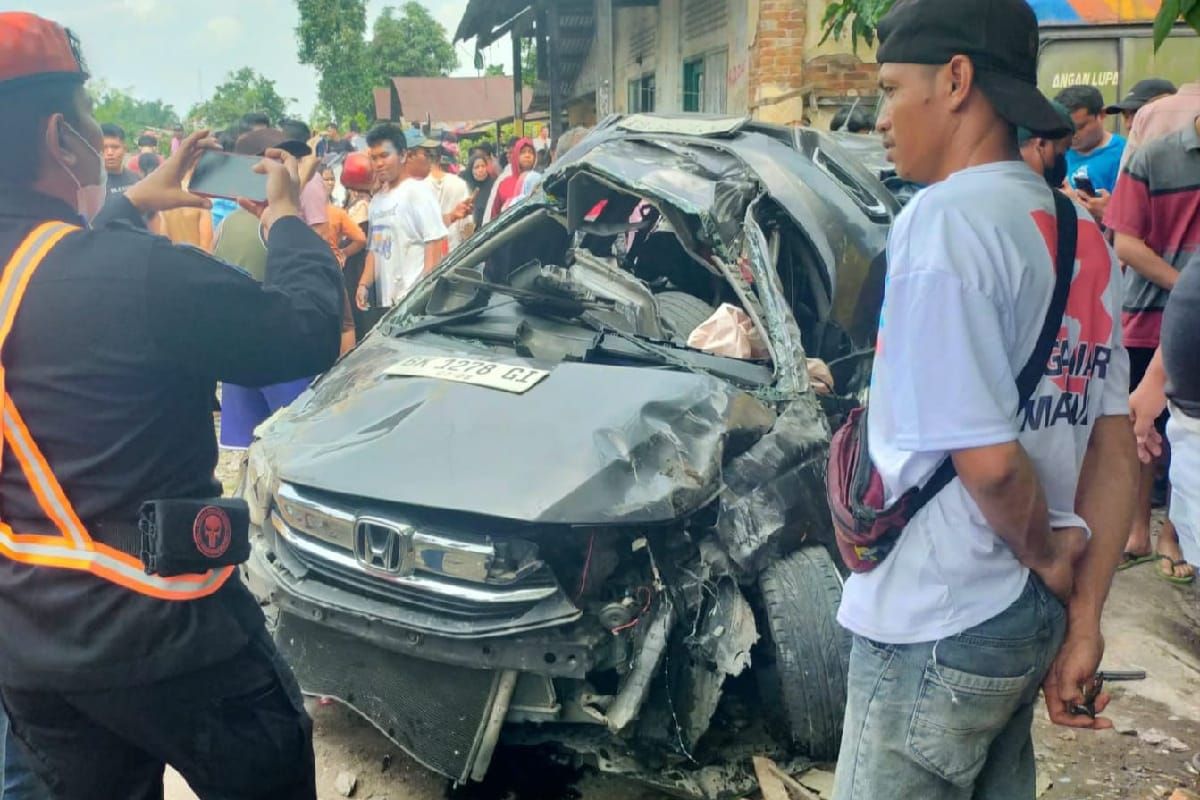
pixel 179 51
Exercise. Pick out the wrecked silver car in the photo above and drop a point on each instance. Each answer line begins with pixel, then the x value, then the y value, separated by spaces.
pixel 525 510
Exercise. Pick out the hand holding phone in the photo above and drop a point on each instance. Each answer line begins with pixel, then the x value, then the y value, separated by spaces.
pixel 162 190
pixel 229 175
pixel 1084 184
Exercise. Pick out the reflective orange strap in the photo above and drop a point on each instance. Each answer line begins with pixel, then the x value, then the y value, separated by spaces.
pixel 20 268
pixel 74 549
pixel 13 283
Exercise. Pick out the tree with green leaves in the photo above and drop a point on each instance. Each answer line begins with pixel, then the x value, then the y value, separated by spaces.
pixel 862 17
pixel 120 107
pixel 1175 10
pixel 494 70
pixel 332 38
pixel 413 44
pixel 243 91
pixel 529 61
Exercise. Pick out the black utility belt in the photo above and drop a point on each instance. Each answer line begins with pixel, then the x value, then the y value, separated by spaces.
pixel 183 536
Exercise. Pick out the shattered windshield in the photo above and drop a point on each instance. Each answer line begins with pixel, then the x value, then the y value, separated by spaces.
pixel 633 282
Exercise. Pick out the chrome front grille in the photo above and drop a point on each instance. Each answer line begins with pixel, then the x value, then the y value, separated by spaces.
pixel 472 580
pixel 464 556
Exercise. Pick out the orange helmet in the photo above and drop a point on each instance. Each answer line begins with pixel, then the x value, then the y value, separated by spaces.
pixel 33 48
pixel 357 173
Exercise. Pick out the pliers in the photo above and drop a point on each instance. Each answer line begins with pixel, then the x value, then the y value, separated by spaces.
pixel 1092 691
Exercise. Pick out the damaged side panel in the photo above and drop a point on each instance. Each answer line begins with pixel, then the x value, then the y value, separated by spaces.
pixel 775 488
pixel 718 648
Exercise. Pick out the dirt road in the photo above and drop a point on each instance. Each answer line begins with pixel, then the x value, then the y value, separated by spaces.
pixel 1148 625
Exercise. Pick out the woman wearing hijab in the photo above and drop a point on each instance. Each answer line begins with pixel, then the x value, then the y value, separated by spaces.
pixel 523 159
pixel 479 175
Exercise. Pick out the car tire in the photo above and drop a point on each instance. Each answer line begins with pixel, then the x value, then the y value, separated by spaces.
pixel 804 688
pixel 682 312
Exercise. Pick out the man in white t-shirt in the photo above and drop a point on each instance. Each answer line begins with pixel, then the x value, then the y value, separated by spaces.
pixel 452 191
pixel 407 237
pixel 994 589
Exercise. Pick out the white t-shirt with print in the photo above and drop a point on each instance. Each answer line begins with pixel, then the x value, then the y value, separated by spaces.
pixel 451 191
pixel 402 221
pixel 970 276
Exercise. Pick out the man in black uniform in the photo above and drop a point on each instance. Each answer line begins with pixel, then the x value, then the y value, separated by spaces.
pixel 112 341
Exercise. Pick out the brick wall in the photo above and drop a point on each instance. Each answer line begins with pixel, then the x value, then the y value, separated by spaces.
pixel 790 72
pixel 777 52
pixel 841 74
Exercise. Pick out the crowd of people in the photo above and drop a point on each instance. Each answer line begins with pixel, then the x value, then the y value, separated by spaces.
pixel 403 207
pixel 1141 189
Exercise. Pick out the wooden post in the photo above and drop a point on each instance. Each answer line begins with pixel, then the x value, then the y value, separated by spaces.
pixel 518 86
pixel 604 58
pixel 553 71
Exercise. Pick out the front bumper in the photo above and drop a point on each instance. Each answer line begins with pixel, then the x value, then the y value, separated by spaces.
pixel 564 651
pixel 442 699
pixel 448 718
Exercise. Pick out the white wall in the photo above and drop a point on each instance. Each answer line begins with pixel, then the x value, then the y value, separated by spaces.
pixel 674 32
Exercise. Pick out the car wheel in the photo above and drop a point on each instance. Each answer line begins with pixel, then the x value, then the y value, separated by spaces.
pixel 682 312
pixel 804 688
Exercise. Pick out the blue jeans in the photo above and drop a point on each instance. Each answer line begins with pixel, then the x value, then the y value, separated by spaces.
pixel 19 783
pixel 950 720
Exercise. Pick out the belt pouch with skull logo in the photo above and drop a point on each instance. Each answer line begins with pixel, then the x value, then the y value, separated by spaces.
pixel 184 536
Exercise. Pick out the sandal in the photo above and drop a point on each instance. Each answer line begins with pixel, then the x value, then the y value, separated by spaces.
pixel 1178 580
pixel 1129 559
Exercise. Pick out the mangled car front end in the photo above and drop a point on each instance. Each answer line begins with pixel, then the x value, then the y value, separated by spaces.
pixel 524 510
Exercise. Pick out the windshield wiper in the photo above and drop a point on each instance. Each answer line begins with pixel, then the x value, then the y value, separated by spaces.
pixel 430 323
pixel 695 361
pixel 662 354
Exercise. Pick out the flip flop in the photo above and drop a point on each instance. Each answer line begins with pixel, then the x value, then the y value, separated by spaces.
pixel 1173 578
pixel 1129 559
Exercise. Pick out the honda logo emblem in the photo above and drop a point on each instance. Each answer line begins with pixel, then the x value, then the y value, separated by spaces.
pixel 382 546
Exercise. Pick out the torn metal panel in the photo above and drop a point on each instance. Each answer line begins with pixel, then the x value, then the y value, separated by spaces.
pixel 718 647
pixel 776 488
pixel 775 317
pixel 485 744
pixel 652 647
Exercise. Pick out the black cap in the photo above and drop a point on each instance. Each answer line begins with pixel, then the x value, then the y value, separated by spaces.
pixel 999 36
pixel 1024 134
pixel 1141 93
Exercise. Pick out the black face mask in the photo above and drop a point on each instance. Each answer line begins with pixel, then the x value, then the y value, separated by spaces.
pixel 1056 173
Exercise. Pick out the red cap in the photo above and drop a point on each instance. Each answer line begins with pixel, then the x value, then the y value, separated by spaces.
pixel 35 48
pixel 357 173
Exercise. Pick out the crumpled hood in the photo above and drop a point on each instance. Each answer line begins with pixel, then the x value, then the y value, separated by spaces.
pixel 590 444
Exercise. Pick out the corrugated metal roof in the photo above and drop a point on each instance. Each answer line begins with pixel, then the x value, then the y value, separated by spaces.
pixel 451 100
pixel 482 17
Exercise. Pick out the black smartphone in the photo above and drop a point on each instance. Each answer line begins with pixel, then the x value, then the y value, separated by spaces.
pixel 220 174
pixel 1084 184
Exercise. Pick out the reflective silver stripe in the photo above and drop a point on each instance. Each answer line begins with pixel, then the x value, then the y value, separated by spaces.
pixel 46 486
pixel 134 574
